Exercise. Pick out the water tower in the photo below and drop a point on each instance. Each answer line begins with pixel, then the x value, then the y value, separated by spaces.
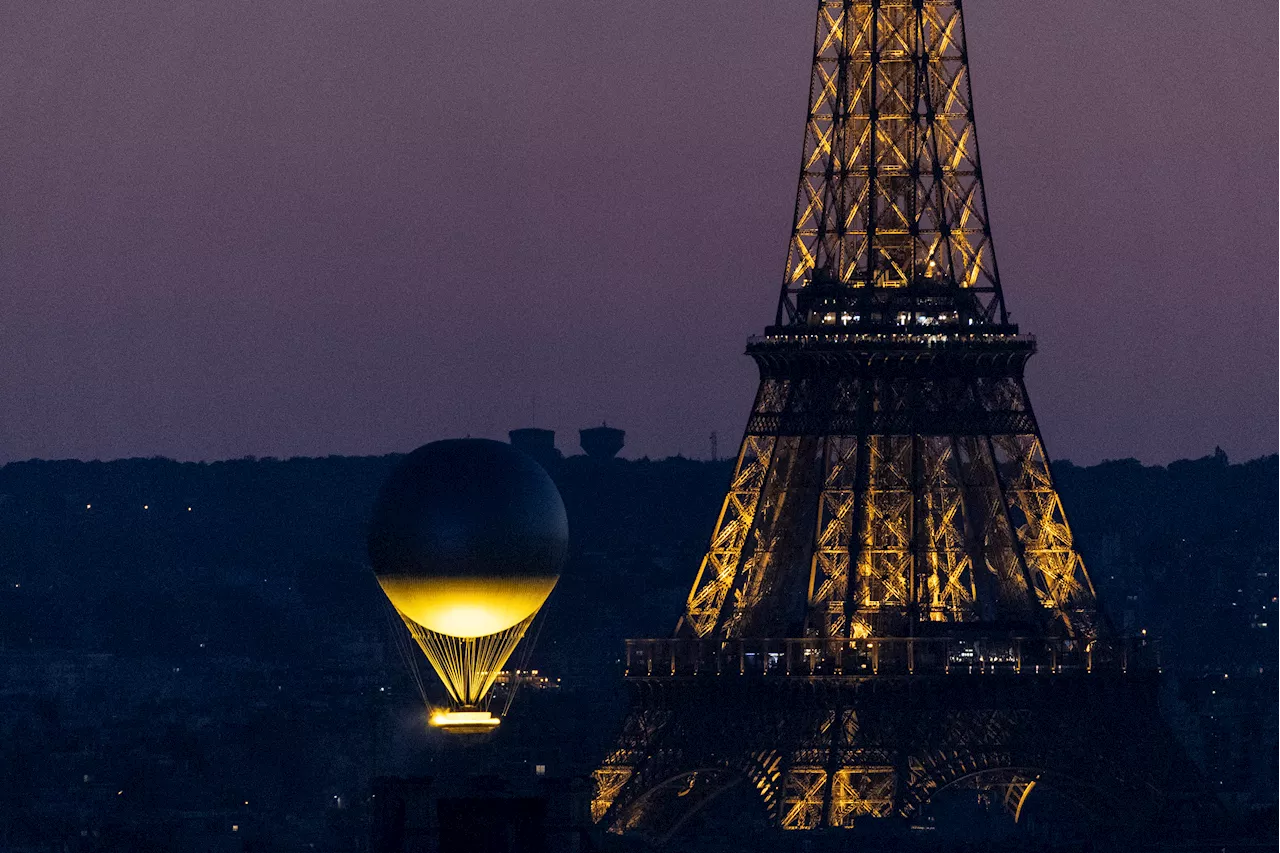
pixel 538 443
pixel 602 442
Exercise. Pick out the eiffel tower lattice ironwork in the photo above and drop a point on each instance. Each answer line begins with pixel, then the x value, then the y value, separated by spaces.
pixel 892 602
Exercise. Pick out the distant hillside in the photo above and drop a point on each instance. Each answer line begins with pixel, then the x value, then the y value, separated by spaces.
pixel 156 554
pixel 190 647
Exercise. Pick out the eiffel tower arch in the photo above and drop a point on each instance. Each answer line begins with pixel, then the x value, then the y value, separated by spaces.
pixel 892 604
pixel 824 752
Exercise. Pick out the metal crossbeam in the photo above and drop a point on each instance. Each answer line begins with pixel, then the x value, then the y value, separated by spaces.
pixel 890 192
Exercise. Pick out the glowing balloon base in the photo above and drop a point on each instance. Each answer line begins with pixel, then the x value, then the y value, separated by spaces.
pixel 464 722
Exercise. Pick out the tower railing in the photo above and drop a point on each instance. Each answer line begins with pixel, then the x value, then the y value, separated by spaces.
pixel 885 657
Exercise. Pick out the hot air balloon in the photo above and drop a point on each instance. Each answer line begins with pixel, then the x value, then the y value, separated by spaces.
pixel 467 540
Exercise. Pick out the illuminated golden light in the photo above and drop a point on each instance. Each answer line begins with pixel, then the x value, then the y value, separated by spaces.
pixel 467 607
pixel 1022 801
pixel 890 519
pixel 467 627
pixel 464 722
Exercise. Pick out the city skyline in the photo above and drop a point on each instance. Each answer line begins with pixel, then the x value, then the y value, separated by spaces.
pixel 305 230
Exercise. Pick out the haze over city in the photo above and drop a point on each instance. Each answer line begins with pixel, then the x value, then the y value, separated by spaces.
pixel 351 227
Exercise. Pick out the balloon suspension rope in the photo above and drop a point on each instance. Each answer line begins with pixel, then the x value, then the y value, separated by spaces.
pixel 405 647
pixel 527 653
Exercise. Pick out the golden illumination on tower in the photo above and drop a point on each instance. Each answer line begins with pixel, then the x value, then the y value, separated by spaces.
pixel 892 524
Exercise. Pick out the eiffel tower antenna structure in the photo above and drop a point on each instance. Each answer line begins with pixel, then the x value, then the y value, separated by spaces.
pixel 892 604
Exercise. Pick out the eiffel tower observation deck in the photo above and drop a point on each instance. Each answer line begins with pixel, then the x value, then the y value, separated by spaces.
pixel 892 604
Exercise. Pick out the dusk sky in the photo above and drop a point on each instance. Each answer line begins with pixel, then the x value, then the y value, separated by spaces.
pixel 304 227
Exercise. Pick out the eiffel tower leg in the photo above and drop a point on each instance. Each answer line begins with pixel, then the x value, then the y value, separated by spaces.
pixel 835 752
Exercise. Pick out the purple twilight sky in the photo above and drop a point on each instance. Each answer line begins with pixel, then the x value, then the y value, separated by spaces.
pixel 352 226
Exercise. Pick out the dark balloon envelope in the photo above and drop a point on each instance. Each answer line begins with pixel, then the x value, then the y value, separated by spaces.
pixel 468 507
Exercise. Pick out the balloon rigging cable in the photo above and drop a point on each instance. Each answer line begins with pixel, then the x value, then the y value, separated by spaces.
pixel 405 649
pixel 468 666
pixel 526 654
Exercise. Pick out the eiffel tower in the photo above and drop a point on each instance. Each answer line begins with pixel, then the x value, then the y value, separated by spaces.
pixel 892 605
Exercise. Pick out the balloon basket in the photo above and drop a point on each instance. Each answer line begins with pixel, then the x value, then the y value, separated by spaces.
pixel 464 722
